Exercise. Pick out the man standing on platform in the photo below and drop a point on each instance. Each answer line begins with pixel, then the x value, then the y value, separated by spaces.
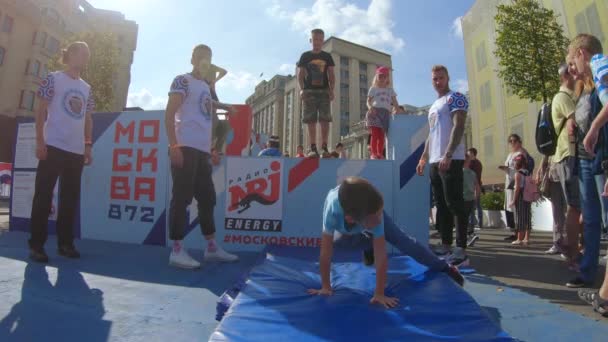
pixel 188 121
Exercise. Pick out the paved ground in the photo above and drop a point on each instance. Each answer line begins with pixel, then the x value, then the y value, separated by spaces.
pixel 129 294
pixel 4 205
pixel 529 269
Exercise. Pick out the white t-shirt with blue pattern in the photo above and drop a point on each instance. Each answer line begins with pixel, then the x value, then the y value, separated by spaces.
pixel 441 124
pixel 69 101
pixel 193 118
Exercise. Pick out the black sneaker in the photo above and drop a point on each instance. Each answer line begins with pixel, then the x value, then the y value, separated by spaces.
pixel 452 272
pixel 472 239
pixel 313 153
pixel 68 252
pixel 39 255
pixel 577 282
pixel 324 148
pixel 368 257
pixel 510 238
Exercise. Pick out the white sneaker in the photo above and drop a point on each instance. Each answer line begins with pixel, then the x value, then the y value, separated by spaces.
pixel 552 250
pixel 183 260
pixel 604 260
pixel 441 250
pixel 459 258
pixel 220 255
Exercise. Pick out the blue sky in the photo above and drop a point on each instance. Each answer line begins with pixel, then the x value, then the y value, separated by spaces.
pixel 250 37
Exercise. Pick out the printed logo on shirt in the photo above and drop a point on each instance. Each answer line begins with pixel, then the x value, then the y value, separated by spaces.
pixel 74 103
pixel 316 68
pixel 433 121
pixel 206 105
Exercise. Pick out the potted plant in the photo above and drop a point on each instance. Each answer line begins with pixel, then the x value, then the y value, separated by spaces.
pixel 493 204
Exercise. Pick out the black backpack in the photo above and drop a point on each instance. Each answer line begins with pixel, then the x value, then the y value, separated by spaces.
pixel 546 137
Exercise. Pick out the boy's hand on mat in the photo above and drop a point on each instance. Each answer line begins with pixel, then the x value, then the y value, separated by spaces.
pixel 321 292
pixel 387 302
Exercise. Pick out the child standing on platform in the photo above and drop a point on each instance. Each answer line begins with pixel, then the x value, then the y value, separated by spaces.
pixel 381 101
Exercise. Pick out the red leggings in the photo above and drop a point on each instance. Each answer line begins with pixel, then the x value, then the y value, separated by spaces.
pixel 377 141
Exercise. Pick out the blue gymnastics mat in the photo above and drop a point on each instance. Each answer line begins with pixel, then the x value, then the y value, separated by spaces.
pixel 273 304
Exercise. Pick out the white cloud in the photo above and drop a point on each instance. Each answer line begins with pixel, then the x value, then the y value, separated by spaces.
pixel 238 81
pixel 456 29
pixel 146 100
pixel 371 26
pixel 287 68
pixel 461 86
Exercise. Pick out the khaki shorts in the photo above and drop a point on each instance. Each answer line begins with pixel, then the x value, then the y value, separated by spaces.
pixel 315 106
pixel 566 171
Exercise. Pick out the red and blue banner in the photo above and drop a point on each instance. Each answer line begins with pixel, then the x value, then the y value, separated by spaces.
pixel 260 201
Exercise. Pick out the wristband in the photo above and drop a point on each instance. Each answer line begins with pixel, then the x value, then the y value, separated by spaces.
pixel 175 146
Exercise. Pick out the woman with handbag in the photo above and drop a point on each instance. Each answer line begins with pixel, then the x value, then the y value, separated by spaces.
pixel 509 168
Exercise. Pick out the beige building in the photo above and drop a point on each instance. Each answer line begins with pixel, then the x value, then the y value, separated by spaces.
pixel 354 70
pixel 267 105
pixel 31 32
pixel 495 112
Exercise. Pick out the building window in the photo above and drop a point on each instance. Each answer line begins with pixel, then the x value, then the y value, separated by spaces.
pixel 363 102
pixel 2 54
pixel 344 123
pixel 363 68
pixel 344 62
pixel 344 97
pixel 595 25
pixel 481 57
pixel 488 146
pixel 485 96
pixel 344 75
pixel 7 24
pixel 33 68
pixel 39 38
pixel 52 45
pixel 581 23
pixel 518 128
pixel 27 100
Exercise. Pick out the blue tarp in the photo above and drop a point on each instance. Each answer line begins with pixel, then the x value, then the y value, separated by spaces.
pixel 273 305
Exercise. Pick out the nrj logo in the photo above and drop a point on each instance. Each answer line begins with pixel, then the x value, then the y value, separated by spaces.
pixel 261 186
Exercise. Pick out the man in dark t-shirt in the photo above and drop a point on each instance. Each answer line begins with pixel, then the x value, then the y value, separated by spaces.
pixel 477 167
pixel 316 80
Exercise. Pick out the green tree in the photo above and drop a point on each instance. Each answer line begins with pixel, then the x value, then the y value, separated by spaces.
pixel 102 66
pixel 530 45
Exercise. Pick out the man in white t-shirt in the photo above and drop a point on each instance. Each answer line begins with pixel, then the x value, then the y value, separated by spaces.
pixel 188 118
pixel 445 152
pixel 64 131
